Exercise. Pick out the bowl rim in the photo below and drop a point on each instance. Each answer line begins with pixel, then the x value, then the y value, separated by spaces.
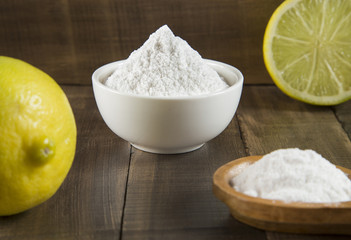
pixel 238 83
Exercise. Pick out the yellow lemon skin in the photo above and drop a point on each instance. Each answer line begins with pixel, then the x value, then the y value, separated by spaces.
pixel 37 136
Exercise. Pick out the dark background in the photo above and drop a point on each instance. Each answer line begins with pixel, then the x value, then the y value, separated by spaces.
pixel 69 39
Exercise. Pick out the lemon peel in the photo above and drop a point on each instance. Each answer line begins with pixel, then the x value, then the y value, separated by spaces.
pixel 37 136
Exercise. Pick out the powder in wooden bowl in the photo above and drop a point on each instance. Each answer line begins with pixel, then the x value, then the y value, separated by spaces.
pixel 294 175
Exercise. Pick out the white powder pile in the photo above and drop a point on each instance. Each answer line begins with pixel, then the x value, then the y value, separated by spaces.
pixel 165 65
pixel 294 175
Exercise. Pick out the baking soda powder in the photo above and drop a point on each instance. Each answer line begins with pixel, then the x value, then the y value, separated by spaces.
pixel 294 175
pixel 165 65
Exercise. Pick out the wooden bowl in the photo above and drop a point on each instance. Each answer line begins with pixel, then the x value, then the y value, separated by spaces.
pixel 275 215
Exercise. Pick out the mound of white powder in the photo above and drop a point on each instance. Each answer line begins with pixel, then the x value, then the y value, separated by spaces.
pixel 165 65
pixel 294 175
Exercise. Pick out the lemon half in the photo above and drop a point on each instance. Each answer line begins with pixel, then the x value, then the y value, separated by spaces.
pixel 37 136
pixel 307 50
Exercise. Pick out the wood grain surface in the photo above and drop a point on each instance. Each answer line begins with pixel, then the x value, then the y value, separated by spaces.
pixel 170 196
pixel 270 120
pixel 114 191
pixel 70 39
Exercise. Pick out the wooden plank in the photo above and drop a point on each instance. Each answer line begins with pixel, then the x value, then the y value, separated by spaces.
pixel 275 236
pixel 343 114
pixel 270 120
pixel 89 203
pixel 70 39
pixel 170 196
pixel 39 32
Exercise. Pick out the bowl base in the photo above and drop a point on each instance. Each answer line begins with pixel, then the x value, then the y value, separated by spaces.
pixel 167 150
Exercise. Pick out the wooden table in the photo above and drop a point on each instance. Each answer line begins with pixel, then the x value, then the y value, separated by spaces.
pixel 114 191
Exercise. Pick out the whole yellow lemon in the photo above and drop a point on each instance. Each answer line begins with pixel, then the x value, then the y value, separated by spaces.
pixel 37 136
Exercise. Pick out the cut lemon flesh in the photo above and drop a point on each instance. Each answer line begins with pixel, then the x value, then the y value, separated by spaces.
pixel 307 50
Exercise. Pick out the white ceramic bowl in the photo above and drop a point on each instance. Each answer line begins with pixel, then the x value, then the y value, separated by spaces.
pixel 168 124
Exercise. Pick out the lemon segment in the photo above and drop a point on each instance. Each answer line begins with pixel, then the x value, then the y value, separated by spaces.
pixel 307 50
pixel 37 136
